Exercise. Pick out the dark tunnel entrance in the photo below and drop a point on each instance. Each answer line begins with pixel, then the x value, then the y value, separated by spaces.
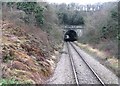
pixel 70 35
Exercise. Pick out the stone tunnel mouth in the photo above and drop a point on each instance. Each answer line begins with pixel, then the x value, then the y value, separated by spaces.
pixel 70 35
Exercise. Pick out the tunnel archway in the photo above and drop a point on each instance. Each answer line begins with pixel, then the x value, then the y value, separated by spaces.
pixel 70 35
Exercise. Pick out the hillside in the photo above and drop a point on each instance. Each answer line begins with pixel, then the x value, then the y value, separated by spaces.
pixel 28 51
pixel 23 56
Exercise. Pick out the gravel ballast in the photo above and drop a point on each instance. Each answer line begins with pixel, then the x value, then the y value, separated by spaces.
pixel 63 73
pixel 84 74
pixel 104 73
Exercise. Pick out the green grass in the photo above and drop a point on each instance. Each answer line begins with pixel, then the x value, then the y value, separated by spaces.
pixel 7 82
pixel 13 82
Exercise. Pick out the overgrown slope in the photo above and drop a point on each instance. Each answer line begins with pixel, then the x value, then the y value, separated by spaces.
pixel 28 49
pixel 23 56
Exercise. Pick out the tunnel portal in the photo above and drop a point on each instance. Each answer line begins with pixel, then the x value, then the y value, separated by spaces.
pixel 70 35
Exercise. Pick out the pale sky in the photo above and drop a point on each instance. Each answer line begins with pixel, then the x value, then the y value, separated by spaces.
pixel 79 1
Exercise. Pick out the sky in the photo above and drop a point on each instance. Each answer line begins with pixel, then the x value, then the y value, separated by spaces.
pixel 79 1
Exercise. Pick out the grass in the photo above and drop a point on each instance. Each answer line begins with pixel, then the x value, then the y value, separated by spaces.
pixel 9 82
pixel 6 82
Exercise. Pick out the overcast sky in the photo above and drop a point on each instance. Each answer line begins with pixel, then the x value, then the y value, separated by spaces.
pixel 79 1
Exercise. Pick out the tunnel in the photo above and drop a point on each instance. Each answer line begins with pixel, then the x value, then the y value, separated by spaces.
pixel 70 35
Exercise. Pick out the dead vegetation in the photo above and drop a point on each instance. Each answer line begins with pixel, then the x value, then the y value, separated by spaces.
pixel 22 59
pixel 103 57
pixel 28 51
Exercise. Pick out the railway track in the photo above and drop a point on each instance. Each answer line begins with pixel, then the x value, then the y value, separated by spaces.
pixel 74 69
pixel 73 66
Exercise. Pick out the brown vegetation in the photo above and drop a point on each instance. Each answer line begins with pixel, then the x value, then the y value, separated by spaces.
pixel 23 57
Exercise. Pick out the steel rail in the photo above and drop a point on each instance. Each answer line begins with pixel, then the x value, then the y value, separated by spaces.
pixel 99 79
pixel 73 66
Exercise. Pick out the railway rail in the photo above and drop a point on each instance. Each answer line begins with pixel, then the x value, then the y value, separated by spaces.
pixel 74 67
